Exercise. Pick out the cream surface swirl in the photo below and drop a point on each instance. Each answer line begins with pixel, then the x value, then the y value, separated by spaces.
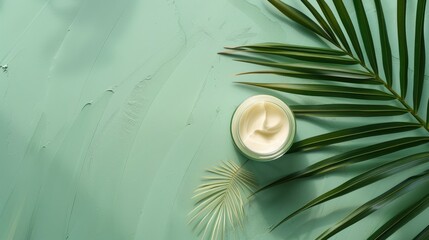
pixel 264 127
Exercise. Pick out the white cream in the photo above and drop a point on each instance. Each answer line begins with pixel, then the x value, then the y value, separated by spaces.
pixel 264 127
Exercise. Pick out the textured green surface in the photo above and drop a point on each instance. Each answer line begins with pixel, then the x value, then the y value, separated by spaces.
pixel 111 110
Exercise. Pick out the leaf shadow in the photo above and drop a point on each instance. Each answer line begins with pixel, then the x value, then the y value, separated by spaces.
pixel 285 196
pixel 305 222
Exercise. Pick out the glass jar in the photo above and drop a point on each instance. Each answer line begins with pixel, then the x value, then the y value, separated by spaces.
pixel 252 134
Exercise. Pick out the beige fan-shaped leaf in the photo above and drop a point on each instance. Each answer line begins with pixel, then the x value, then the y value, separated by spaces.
pixel 220 200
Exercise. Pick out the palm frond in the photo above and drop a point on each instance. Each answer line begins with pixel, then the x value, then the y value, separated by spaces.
pixel 354 156
pixel 292 48
pixel 400 219
pixel 326 76
pixel 419 55
pixel 350 29
pixel 385 44
pixel 334 23
pixel 346 64
pixel 427 116
pixel 313 69
pixel 352 134
pixel 347 110
pixel 366 34
pixel 365 179
pixel 326 90
pixel 320 20
pixel 300 18
pixel 316 57
pixel 377 203
pixel 220 201
pixel 423 235
pixel 403 49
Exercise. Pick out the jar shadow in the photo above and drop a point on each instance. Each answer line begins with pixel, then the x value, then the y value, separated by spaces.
pixel 277 202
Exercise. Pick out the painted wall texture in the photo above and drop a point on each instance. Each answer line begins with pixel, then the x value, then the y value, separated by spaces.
pixel 111 111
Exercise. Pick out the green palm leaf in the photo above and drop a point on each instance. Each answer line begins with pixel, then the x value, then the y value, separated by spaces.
pixel 346 66
pixel 403 49
pixel 312 68
pixel 351 134
pixel 300 18
pixel 316 57
pixel 354 156
pixel 347 110
pixel 427 116
pixel 423 235
pixel 385 45
pixel 401 218
pixel 363 180
pixel 366 34
pixel 350 29
pixel 419 55
pixel 292 48
pixel 335 77
pixel 326 90
pixel 334 23
pixel 220 201
pixel 377 203
pixel 320 20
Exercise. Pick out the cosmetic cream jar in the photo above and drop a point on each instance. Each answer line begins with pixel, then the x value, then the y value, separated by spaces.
pixel 263 127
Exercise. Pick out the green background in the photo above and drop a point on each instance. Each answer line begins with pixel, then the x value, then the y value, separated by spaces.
pixel 110 112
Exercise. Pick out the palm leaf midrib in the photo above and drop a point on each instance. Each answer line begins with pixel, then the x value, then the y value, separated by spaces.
pixel 398 97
